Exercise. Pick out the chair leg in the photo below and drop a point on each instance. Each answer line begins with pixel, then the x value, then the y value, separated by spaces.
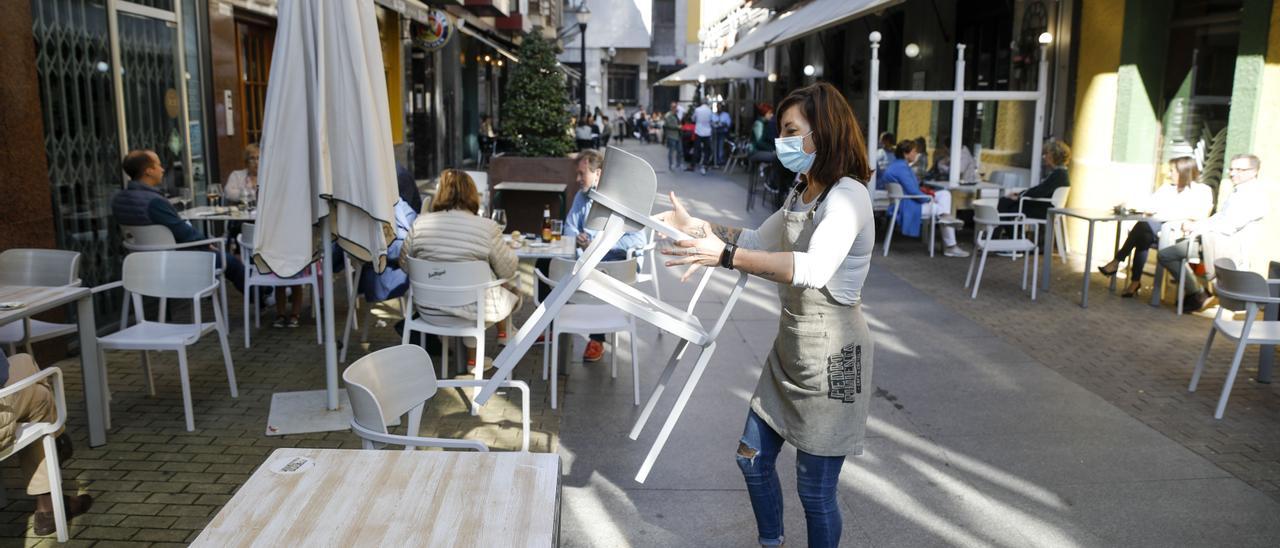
pixel 164 308
pixel 1157 285
pixel 546 353
pixel 933 232
pixel 444 354
pixel 248 300
pixel 1204 355
pixel 1182 279
pixel 555 365
pixel 106 390
pixel 1025 259
pixel 346 334
pixel 1231 374
pixel 1060 223
pixel 635 366
pixel 55 487
pixel 1035 271
pixel 186 389
pixel 479 372
pixel 977 281
pixel 221 328
pixel 888 237
pixel 146 367
pixel 973 261
pixel 613 357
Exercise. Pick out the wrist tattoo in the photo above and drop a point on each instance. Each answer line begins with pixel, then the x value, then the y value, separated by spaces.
pixel 726 233
pixel 697 232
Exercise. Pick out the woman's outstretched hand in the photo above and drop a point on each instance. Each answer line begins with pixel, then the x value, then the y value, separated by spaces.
pixel 703 250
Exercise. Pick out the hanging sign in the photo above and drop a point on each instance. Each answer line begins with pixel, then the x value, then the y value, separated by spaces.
pixel 435 32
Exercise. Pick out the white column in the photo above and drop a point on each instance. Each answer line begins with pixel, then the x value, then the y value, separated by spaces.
pixel 1037 135
pixel 873 104
pixel 957 118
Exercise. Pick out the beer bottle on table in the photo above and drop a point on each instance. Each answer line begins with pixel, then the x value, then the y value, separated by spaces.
pixel 546 222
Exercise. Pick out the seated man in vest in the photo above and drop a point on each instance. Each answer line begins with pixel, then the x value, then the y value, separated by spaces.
pixel 35 404
pixel 142 203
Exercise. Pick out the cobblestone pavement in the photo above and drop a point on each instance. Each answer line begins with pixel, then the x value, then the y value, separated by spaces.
pixel 1135 356
pixel 156 483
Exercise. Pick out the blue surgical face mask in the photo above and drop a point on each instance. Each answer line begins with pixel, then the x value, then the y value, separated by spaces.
pixel 790 151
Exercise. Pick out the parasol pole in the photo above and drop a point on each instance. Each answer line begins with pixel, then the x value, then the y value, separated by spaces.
pixel 330 345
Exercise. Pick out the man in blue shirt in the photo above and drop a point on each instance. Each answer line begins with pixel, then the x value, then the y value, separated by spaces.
pixel 142 203
pixel 590 167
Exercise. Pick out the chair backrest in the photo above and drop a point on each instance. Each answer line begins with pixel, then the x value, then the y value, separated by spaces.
pixel 39 267
pixel 1059 198
pixel 895 190
pixel 481 178
pixel 628 180
pixel 146 235
pixel 985 213
pixel 447 284
pixel 1238 287
pixel 388 383
pixel 169 274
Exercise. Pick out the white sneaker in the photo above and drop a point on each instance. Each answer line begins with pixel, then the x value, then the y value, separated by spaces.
pixel 955 251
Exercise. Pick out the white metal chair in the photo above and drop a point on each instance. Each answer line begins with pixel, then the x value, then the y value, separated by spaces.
pixel 253 278
pixel 386 384
pixel 585 315
pixel 436 284
pixel 160 238
pixel 896 196
pixel 648 257
pixel 168 275
pixel 37 267
pixel 988 220
pixel 1058 200
pixel 1238 290
pixel 28 433
pixel 1159 280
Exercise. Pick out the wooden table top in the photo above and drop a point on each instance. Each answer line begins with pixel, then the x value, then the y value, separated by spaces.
pixel 36 299
pixel 342 497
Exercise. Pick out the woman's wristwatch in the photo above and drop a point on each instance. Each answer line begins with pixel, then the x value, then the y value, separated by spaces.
pixel 726 256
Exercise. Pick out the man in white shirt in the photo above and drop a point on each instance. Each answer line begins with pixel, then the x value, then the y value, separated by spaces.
pixel 1226 233
pixel 702 130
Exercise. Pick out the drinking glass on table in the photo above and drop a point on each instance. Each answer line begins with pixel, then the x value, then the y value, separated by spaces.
pixel 499 216
pixel 557 228
pixel 214 195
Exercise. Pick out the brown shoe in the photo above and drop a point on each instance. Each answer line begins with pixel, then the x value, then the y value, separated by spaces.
pixel 44 522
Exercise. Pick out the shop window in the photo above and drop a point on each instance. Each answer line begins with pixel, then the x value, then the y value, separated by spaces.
pixel 624 84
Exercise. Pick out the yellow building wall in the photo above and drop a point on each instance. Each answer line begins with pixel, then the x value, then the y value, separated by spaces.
pixel 1267 141
pixel 914 119
pixel 393 68
pixel 1012 121
pixel 693 11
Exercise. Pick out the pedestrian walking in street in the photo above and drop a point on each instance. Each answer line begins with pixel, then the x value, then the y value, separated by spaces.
pixel 606 131
pixel 619 118
pixel 671 136
pixel 723 123
pixel 815 390
pixel 702 117
pixel 583 135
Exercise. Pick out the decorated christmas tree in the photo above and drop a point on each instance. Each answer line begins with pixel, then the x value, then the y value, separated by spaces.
pixel 534 117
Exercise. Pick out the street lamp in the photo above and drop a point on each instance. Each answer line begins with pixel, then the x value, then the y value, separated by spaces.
pixel 583 15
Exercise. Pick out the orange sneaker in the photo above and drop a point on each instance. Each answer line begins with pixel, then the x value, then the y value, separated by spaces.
pixel 595 351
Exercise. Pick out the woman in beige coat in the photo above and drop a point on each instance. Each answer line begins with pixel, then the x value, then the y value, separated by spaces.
pixel 454 232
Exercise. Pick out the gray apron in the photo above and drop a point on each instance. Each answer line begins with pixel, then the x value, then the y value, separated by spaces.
pixel 815 389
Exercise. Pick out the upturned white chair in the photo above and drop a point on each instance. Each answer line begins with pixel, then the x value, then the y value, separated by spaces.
pixel 648 272
pixel 1058 200
pixel 253 278
pixel 988 221
pixel 386 384
pixel 585 315
pixel 436 284
pixel 43 268
pixel 896 196
pixel 28 433
pixel 168 275
pixel 159 238
pixel 1238 291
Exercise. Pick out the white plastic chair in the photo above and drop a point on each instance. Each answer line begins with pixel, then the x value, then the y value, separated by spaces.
pixel 648 255
pixel 42 268
pixel 1238 290
pixel 1058 200
pixel 481 179
pixel 896 196
pixel 28 433
pixel 160 238
pixel 386 384
pixel 436 284
pixel 988 220
pixel 168 275
pixel 585 315
pixel 253 278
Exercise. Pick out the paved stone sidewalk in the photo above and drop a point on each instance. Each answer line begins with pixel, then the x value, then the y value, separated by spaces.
pixel 1135 356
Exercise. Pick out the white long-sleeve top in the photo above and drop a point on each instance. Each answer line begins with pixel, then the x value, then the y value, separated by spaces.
pixel 1246 205
pixel 1193 203
pixel 839 253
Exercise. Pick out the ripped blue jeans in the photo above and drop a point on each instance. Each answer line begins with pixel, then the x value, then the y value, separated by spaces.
pixel 816 481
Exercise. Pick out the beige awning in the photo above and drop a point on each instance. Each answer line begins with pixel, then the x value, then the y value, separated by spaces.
pixel 807 19
pixel 711 71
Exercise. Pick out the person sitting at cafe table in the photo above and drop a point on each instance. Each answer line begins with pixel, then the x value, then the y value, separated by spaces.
pixel 590 167
pixel 455 232
pixel 1230 233
pixel 242 184
pixel 1056 156
pixel 915 210
pixel 142 203
pixel 1183 198
pixel 35 403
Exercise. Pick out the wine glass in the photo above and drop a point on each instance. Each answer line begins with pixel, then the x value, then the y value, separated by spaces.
pixel 214 194
pixel 499 216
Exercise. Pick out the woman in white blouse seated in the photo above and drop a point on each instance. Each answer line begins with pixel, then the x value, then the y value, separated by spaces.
pixel 242 185
pixel 455 232
pixel 1183 198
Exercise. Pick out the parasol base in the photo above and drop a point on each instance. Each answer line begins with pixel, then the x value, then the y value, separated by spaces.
pixel 303 412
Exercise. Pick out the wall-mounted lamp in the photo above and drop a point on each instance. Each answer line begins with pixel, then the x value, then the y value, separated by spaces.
pixel 912 51
pixel 1045 38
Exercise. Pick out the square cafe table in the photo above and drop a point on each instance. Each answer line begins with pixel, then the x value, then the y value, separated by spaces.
pixel 39 299
pixel 1093 217
pixel 343 497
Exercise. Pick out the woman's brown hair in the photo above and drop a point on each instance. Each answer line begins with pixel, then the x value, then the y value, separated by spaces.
pixel 456 191
pixel 1185 171
pixel 837 136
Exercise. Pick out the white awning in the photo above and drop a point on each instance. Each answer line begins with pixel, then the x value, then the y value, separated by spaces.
pixel 413 9
pixel 478 35
pixel 809 18
pixel 711 72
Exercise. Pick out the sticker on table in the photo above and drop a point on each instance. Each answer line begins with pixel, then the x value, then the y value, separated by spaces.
pixel 290 465
pixel 12 305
